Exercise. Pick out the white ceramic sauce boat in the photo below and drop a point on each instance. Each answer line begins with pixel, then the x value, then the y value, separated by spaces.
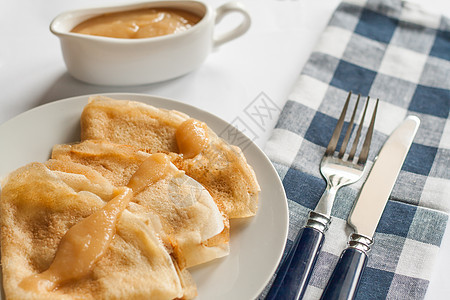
pixel 120 62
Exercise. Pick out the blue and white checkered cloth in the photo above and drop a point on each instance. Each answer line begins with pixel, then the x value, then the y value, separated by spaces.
pixel 393 51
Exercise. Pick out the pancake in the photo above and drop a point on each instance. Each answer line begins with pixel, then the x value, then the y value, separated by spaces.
pixel 115 162
pixel 193 227
pixel 38 206
pixel 131 123
pixel 221 168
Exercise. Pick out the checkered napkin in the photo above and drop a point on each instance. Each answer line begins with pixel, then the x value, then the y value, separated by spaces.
pixel 393 51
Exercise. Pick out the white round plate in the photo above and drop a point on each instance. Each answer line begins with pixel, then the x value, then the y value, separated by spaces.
pixel 257 243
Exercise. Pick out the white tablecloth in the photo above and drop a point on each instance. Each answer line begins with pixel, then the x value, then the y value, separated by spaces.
pixel 265 62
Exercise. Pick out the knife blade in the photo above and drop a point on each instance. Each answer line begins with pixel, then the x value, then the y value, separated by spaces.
pixel 367 211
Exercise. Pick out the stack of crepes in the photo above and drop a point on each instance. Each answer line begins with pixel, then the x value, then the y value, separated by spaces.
pixel 178 220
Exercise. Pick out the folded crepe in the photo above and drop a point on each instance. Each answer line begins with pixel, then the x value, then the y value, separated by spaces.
pixel 39 206
pixel 193 227
pixel 221 168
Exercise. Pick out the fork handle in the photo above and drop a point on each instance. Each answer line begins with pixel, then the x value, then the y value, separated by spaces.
pixel 295 271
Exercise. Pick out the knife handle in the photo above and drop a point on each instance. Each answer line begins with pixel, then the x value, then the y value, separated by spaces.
pixel 344 281
pixel 294 273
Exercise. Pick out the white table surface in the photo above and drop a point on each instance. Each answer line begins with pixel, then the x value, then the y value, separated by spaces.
pixel 267 59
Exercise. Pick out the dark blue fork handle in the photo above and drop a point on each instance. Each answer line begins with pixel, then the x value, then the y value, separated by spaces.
pixel 344 281
pixel 294 273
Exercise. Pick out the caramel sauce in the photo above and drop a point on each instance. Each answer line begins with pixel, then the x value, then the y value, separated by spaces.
pixel 81 247
pixel 86 242
pixel 138 24
pixel 154 168
pixel 192 137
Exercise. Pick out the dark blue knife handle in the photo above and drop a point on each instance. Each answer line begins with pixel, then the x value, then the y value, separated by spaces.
pixel 294 273
pixel 344 281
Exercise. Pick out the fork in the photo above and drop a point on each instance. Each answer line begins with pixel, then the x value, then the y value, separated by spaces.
pixel 339 170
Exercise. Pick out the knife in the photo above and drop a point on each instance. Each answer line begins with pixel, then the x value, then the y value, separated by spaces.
pixel 367 210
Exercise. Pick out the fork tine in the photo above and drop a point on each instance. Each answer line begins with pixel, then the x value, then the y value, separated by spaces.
pixel 349 129
pixel 365 149
pixel 337 130
pixel 358 133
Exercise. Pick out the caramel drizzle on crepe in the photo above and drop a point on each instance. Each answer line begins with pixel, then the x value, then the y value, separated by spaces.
pixel 86 242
